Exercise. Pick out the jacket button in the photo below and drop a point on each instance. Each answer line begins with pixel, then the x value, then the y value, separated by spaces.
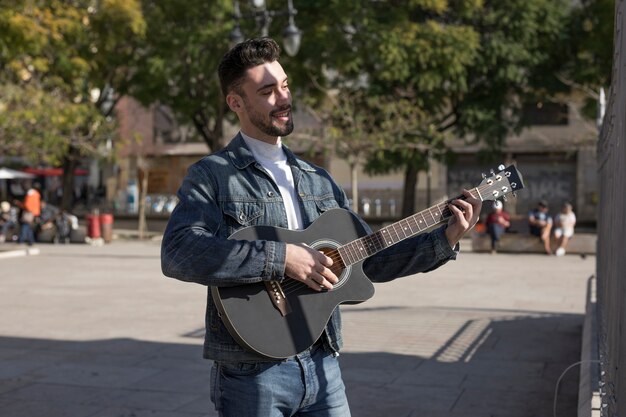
pixel 270 194
pixel 242 216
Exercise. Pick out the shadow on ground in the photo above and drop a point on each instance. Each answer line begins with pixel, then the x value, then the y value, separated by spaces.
pixel 506 367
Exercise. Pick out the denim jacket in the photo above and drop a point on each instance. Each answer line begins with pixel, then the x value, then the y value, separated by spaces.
pixel 229 190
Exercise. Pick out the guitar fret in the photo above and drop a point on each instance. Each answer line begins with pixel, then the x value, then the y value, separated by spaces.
pixel 395 229
pixel 351 250
pixel 356 249
pixel 384 233
pixel 431 215
pixel 379 243
pixel 440 214
pixel 387 236
pixel 415 222
pixel 363 250
pixel 347 259
pixel 405 227
pixel 423 221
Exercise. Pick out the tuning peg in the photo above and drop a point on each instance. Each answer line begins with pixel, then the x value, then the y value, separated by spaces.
pixel 492 172
pixel 501 167
pixel 484 175
pixel 504 198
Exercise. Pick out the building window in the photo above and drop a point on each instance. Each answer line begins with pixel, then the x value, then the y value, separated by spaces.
pixel 545 114
pixel 167 129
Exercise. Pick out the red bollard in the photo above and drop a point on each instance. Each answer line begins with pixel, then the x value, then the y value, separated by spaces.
pixel 106 221
pixel 93 226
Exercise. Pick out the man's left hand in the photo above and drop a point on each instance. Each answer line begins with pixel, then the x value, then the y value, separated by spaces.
pixel 464 216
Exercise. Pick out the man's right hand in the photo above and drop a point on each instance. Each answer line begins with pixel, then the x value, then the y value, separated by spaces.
pixel 309 266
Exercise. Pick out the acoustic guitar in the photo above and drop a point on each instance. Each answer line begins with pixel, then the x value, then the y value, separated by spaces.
pixel 281 319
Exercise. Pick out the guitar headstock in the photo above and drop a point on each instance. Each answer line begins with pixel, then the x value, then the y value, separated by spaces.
pixel 499 184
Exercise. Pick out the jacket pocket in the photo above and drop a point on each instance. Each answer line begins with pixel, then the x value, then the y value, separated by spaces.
pixel 326 203
pixel 240 214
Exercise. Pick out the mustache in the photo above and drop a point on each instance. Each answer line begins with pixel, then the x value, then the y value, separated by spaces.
pixel 280 110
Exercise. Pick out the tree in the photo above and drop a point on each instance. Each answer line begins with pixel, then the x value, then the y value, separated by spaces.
pixel 178 62
pixel 61 64
pixel 462 67
pixel 585 57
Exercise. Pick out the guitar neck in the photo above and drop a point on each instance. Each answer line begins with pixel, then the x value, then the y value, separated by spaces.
pixel 364 247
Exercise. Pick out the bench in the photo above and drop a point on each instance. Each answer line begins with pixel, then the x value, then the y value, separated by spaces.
pixel 580 243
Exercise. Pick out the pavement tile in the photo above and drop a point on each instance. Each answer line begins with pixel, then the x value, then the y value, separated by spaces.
pixel 95 375
pixel 201 404
pixel 503 403
pixel 177 380
pixel 404 399
pixel 48 409
pixel 155 400
pixel 81 395
pixel 99 332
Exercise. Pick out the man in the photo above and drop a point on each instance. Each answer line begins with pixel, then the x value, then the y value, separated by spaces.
pixel 540 224
pixel 256 181
pixel 30 212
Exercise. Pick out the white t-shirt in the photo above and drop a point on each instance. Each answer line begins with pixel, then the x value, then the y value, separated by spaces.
pixel 274 160
pixel 566 222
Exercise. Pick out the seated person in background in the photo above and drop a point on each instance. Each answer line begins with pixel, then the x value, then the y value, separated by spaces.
pixel 540 224
pixel 564 223
pixel 497 223
pixel 48 216
pixel 8 221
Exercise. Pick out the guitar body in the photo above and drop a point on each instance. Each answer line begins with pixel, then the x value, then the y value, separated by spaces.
pixel 253 319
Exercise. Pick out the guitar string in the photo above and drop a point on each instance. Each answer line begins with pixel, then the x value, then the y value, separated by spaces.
pixel 294 285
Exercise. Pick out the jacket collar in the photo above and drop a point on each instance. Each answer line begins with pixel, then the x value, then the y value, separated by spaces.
pixel 241 156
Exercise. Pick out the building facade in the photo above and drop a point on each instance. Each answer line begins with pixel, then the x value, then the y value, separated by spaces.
pixel 556 155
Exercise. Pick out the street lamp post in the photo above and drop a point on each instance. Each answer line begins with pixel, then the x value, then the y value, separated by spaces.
pixel 263 17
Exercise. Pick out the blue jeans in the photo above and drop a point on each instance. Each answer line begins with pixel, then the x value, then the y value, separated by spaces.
pixel 27 234
pixel 308 384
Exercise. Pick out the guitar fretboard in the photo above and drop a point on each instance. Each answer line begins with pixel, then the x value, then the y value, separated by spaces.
pixel 363 248
pixel 506 181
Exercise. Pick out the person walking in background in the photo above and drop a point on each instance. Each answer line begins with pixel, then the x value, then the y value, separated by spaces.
pixel 564 223
pixel 32 199
pixel 540 224
pixel 257 181
pixel 497 222
pixel 31 210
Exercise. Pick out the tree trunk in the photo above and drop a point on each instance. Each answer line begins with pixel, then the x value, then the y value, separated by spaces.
pixel 70 163
pixel 354 183
pixel 142 180
pixel 408 193
pixel 211 136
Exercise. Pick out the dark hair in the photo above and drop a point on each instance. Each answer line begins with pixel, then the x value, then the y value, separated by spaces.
pixel 243 56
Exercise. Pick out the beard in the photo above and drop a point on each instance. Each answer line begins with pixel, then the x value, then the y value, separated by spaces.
pixel 268 125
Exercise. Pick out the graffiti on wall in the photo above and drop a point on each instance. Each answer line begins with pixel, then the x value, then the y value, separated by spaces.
pixel 549 180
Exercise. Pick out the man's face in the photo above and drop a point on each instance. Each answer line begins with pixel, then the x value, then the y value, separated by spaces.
pixel 264 103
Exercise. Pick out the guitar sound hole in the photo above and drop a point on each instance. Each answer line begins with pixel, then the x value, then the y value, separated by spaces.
pixel 338 267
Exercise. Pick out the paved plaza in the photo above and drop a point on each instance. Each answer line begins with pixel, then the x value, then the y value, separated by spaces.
pixel 99 332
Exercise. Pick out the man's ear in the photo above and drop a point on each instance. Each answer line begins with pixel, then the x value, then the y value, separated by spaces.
pixel 235 102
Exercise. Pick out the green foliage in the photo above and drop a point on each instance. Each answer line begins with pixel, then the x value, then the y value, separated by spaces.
pixel 430 70
pixel 42 126
pixel 178 62
pixel 57 54
pixel 61 62
pixel 587 56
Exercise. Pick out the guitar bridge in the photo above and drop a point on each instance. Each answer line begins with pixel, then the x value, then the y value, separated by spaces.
pixel 276 294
